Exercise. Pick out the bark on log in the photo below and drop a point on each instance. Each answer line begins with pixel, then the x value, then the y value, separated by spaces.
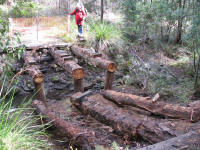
pixel 183 142
pixel 121 121
pixel 157 108
pixel 78 85
pixel 78 136
pixel 70 66
pixel 97 61
pixel 109 80
pixel 38 78
pixel 91 56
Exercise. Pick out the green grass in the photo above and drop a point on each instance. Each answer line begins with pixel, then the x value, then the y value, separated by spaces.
pixel 178 91
pixel 18 127
pixel 103 31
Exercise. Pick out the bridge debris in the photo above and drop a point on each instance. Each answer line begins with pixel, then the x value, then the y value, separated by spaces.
pixel 66 61
pixel 97 61
pixel 79 137
pixel 121 121
pixel 158 108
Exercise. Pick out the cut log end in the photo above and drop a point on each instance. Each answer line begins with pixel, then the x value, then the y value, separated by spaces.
pixel 38 78
pixel 112 67
pixel 78 73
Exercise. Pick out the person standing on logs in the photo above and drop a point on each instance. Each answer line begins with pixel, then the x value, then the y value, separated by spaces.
pixel 80 14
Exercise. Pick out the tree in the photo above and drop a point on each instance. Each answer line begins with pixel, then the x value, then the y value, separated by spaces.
pixel 194 37
pixel 102 10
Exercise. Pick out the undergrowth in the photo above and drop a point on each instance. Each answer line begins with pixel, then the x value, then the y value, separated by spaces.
pixel 18 127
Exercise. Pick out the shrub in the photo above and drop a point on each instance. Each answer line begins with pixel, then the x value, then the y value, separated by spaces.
pixel 18 127
pixel 103 31
pixel 24 9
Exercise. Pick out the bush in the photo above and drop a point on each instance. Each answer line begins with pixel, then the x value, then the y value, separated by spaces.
pixel 18 128
pixel 103 31
pixel 2 2
pixel 24 9
pixel 8 45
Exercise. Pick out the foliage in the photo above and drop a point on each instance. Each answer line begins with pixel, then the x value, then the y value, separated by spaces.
pixel 18 128
pixel 103 31
pixel 24 8
pixel 194 42
pixel 2 2
pixel 11 45
pixel 155 19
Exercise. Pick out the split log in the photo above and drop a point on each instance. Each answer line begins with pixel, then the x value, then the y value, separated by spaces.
pixel 78 136
pixel 38 78
pixel 77 72
pixel 97 61
pixel 120 120
pixel 183 142
pixel 157 108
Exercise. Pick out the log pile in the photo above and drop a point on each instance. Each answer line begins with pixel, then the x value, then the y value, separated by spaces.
pixel 97 61
pixel 156 108
pixel 121 121
pixel 66 61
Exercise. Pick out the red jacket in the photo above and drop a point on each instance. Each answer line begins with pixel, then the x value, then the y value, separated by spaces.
pixel 79 15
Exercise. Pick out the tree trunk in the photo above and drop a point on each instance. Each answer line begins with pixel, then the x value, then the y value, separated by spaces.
pixel 102 10
pixel 179 31
pixel 183 142
pixel 78 136
pixel 121 121
pixel 157 108
pixel 180 22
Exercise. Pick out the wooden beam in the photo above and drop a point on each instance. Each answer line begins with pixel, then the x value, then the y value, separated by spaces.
pixel 37 76
pixel 97 61
pixel 38 79
pixel 158 108
pixel 65 61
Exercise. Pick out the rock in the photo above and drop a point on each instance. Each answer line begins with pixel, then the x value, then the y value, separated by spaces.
pixel 99 79
pixel 60 86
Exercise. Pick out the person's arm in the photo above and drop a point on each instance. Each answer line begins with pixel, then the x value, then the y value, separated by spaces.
pixel 84 13
pixel 73 13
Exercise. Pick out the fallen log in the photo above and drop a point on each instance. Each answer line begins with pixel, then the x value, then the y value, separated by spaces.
pixel 120 120
pixel 157 108
pixel 38 78
pixel 97 61
pixel 183 142
pixel 92 57
pixel 78 137
pixel 65 61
